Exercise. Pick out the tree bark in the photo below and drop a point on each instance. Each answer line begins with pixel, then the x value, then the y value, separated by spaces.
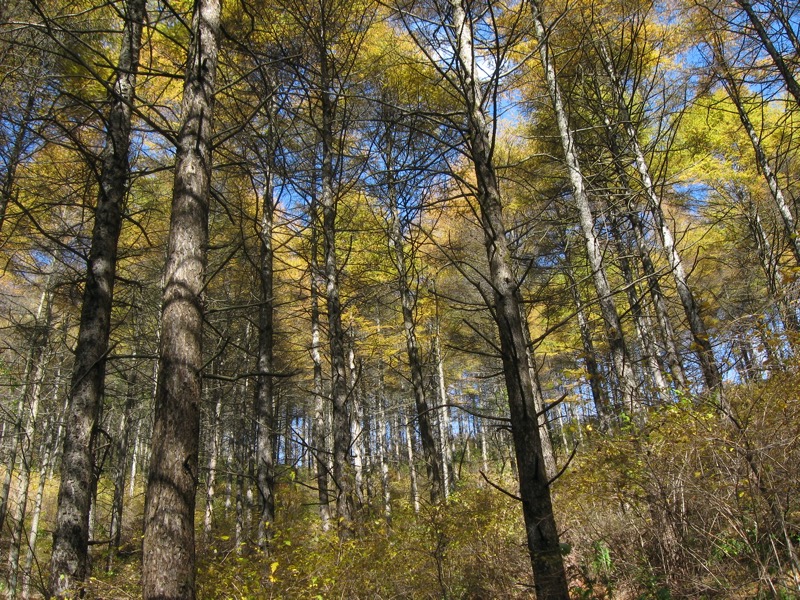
pixel 264 390
pixel 70 559
pixel 172 477
pixel 542 534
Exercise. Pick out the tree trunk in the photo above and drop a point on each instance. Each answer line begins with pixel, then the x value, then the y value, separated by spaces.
pixel 408 306
pixel 412 468
pixel 593 374
pixel 778 197
pixel 70 558
pixel 342 468
pixel 705 352
pixel 122 443
pixel 213 457
pixel 784 69
pixel 32 398
pixel 320 428
pixel 623 365
pixel 172 477
pixel 264 390
pixel 542 534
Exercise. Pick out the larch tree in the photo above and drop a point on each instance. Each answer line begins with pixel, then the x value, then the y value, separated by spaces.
pixel 173 474
pixel 69 562
pixel 446 33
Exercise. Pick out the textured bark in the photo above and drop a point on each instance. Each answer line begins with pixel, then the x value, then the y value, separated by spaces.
pixel 342 467
pixel 542 535
pixel 70 559
pixel 623 365
pixel 172 477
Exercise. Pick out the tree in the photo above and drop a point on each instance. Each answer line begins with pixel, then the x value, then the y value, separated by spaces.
pixel 450 45
pixel 172 477
pixel 69 563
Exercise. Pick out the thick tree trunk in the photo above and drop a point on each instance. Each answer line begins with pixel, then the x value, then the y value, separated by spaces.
pixel 542 534
pixel 172 477
pixel 70 559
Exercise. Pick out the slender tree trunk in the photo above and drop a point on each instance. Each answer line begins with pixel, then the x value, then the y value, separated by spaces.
pixel 412 468
pixel 623 365
pixel 542 534
pixel 408 303
pixel 320 430
pixel 640 321
pixel 70 558
pixel 382 448
pixel 593 374
pixel 122 443
pixel 789 225
pixel 32 399
pixel 264 391
pixel 172 477
pixel 705 352
pixel 17 436
pixel 783 68
pixel 213 457
pixel 445 428
pixel 659 302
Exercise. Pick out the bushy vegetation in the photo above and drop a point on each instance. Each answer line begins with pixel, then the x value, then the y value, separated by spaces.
pixel 693 504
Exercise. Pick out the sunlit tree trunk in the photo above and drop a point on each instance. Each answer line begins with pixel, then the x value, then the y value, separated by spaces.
pixel 172 477
pixel 622 362
pixel 705 352
pixel 542 534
